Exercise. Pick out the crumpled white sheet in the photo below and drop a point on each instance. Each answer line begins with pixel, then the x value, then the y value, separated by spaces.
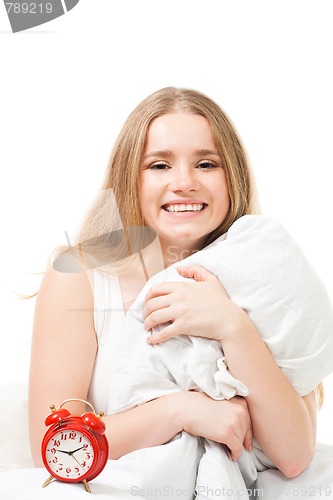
pixel 131 478
pixel 265 272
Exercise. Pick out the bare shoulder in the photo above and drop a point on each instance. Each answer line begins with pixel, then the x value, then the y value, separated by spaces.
pixel 67 283
pixel 64 311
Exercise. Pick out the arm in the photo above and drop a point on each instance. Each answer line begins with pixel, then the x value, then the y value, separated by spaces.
pixel 159 420
pixel 63 349
pixel 62 361
pixel 284 424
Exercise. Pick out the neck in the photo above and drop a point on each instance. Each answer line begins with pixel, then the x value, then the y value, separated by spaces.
pixel 175 253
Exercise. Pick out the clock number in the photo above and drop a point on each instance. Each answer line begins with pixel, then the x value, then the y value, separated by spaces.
pixel 56 442
pixel 68 470
pixel 69 435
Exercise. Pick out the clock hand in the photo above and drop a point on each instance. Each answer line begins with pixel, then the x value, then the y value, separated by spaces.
pixel 77 449
pixel 76 460
pixel 70 452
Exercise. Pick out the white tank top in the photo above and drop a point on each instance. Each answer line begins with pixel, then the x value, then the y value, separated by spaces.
pixel 109 316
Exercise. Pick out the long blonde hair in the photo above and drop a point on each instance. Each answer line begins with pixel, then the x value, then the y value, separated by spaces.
pixel 119 198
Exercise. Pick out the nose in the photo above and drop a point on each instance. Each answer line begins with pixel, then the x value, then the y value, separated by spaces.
pixel 184 179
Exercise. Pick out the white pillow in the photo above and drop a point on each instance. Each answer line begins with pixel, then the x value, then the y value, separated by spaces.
pixel 265 272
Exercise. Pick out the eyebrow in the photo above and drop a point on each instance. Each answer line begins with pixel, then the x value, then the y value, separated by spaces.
pixel 167 154
pixel 206 152
pixel 162 153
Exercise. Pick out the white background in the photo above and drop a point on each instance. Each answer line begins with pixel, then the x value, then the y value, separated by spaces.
pixel 66 88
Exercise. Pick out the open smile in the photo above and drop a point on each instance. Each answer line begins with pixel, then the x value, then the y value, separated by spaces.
pixel 184 207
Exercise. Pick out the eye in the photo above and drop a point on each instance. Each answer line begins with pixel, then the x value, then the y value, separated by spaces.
pixel 206 165
pixel 158 166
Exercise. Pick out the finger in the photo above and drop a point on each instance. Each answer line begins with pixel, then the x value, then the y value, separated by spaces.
pixel 244 432
pixel 164 334
pixel 196 272
pixel 235 446
pixel 161 289
pixel 247 431
pixel 160 302
pixel 248 439
pixel 156 318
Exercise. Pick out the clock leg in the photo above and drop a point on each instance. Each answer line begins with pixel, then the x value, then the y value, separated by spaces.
pixel 48 480
pixel 86 485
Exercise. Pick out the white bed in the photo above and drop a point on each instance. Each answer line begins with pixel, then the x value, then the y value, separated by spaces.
pixel 18 480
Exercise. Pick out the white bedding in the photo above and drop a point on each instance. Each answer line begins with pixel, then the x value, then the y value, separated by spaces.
pixel 265 272
pixel 290 307
pixel 129 478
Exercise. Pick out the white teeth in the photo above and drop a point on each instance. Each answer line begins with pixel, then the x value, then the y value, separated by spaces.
pixel 196 207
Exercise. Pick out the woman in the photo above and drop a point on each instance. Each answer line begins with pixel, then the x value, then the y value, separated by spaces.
pixel 178 168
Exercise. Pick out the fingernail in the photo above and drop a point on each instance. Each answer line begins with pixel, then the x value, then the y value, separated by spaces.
pixel 150 339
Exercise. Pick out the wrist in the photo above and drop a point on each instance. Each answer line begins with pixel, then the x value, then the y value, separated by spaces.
pixel 191 409
pixel 236 329
pixel 181 409
pixel 176 409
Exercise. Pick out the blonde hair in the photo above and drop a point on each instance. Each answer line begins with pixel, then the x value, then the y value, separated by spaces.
pixel 119 199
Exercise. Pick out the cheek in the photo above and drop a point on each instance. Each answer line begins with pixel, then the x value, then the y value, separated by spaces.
pixel 224 189
pixel 147 196
pixel 146 186
pixel 224 194
pixel 151 187
pixel 219 191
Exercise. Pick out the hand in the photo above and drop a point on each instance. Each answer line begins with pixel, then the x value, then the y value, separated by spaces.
pixel 200 308
pixel 226 422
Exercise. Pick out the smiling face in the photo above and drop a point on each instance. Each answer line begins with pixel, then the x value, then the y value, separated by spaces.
pixel 183 189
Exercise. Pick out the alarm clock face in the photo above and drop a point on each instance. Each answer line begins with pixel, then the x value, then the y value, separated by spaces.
pixel 69 454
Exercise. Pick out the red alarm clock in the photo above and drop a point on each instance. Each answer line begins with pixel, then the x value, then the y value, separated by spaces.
pixel 74 449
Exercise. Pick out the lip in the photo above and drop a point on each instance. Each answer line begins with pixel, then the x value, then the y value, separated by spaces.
pixel 184 201
pixel 185 214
